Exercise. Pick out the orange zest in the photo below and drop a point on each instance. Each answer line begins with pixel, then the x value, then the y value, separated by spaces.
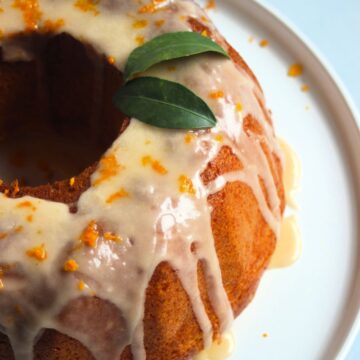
pixel 186 185
pixel 38 252
pixel 108 168
pixel 112 237
pixel 70 265
pixel 295 70
pixel 53 25
pixel 88 6
pixel 30 11
pixel 218 94
pixel 155 164
pixel 90 235
pixel 122 193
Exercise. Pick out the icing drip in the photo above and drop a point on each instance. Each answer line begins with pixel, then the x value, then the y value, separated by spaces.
pixel 147 203
pixel 219 350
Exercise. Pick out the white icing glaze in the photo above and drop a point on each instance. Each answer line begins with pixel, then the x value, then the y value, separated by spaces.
pixel 155 220
pixel 219 350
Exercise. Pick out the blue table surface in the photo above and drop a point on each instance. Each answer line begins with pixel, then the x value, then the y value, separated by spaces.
pixel 334 28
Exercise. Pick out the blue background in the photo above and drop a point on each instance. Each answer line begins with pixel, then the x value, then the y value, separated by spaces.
pixel 334 28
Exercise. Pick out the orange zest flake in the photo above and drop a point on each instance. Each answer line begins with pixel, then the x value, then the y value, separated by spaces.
pixel 16 187
pixel 38 252
pixel 155 164
pixel 88 6
pixel 3 235
pixel 19 229
pixel 211 4
pixel 305 88
pixel 122 193
pixel 188 138
pixel 295 70
pixel 111 60
pixel 70 265
pixel 29 218
pixel 263 43
pixel 186 185
pixel 1 284
pixel 109 167
pixel 90 235
pixel 30 11
pixel 219 138
pixel 72 181
pixel 147 9
pixel 183 17
pixel 204 19
pixel 53 25
pixel 205 33
pixel 112 237
pixel 219 94
pixel 159 23
pixel 238 107
pixel 81 285
pixel 140 24
pixel 24 204
pixel 140 39
pixel 151 7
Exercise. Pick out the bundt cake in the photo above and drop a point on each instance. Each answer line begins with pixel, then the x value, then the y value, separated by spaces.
pixel 163 235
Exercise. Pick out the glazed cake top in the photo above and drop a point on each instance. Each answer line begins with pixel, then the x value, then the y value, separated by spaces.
pixel 147 203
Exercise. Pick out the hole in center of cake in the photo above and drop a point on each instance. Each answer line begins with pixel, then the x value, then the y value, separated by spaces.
pixel 56 111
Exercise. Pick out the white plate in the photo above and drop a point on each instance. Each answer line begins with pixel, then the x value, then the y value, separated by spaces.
pixel 310 311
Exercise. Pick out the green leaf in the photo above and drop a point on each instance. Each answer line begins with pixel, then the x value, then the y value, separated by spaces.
pixel 167 47
pixel 164 104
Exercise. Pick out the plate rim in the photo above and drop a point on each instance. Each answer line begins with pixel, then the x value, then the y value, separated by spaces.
pixel 350 131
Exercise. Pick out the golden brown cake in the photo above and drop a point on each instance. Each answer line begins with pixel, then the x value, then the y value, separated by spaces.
pixel 162 237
